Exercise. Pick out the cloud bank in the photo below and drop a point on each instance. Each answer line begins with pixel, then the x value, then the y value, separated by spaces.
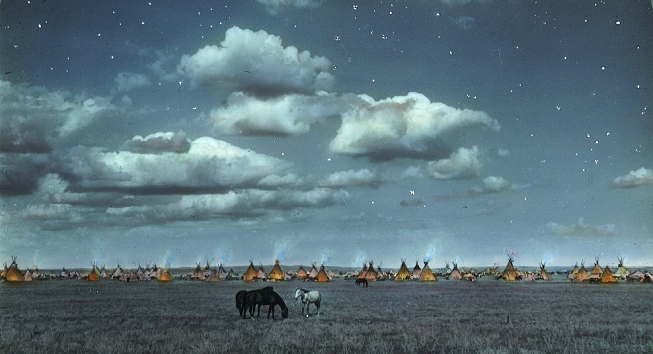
pixel 209 164
pixel 581 229
pixel 350 178
pixel 33 117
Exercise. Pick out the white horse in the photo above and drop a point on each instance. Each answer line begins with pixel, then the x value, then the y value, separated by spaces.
pixel 308 297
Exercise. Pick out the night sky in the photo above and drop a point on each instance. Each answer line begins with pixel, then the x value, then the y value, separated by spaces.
pixel 326 132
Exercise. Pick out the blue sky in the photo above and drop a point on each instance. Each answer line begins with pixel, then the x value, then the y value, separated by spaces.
pixel 326 132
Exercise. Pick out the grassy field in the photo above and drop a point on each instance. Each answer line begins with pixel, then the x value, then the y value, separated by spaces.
pixel 387 317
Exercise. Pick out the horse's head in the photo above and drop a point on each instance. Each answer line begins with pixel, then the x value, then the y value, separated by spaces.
pixel 284 312
pixel 298 293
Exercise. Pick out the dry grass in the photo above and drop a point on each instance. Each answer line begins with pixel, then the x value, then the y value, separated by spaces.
pixel 387 317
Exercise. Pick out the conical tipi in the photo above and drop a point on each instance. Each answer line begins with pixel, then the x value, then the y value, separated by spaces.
pixel 606 276
pixel 404 273
pixel 251 273
pixel 322 275
pixel 13 274
pixel 582 274
pixel 416 271
pixel 370 274
pixel 301 273
pixel 622 272
pixel 313 273
pixel 276 274
pixel 427 273
pixel 544 275
pixel 595 275
pixel 455 273
pixel 510 273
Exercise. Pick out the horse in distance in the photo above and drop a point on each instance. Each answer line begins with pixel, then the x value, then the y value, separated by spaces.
pixel 308 297
pixel 361 281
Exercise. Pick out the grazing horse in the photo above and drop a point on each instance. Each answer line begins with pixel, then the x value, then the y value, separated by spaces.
pixel 308 297
pixel 361 281
pixel 241 298
pixel 265 296
pixel 247 300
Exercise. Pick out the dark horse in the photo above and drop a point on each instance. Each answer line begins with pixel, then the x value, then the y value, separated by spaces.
pixel 241 297
pixel 361 281
pixel 266 296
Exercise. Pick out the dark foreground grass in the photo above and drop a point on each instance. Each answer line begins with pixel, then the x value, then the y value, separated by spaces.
pixel 387 317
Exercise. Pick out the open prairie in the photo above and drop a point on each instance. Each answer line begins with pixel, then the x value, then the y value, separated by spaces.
pixel 387 317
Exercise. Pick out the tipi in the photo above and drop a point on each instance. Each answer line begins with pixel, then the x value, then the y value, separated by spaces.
pixel 301 273
pixel 622 272
pixel 13 274
pixel 361 274
pixel 595 275
pixel 198 274
pixel 544 275
pixel 251 273
pixel 510 273
pixel 404 273
pixel 606 276
pixel 574 273
pixel 416 271
pixel 213 275
pixel 164 275
pixel 427 274
pixel 455 273
pixel 313 273
pixel 276 274
pixel 322 275
pixel 370 274
pixel 582 274
pixel 261 273
pixel 94 275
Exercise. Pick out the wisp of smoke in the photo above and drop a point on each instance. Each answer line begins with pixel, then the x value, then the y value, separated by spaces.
pixel 360 259
pixel 170 258
pixel 429 255
pixel 282 250
pixel 222 257
pixel 547 258
pixel 325 257
pixel 99 253
pixel 37 258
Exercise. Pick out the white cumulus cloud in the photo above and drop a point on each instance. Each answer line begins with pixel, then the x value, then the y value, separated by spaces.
pixel 158 143
pixel 257 62
pixel 494 184
pixel 403 126
pixel 290 114
pixel 640 177
pixel 462 164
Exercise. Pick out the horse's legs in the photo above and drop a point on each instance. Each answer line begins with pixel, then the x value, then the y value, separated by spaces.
pixel 259 311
